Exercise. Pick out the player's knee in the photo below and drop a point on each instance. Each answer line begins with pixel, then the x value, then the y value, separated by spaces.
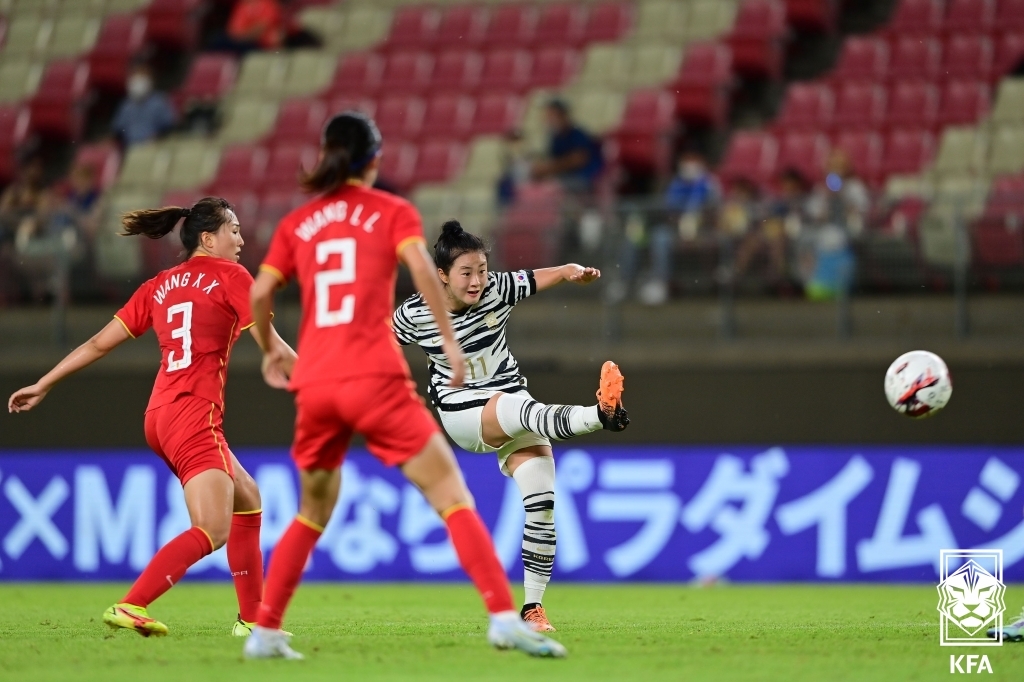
pixel 247 493
pixel 217 531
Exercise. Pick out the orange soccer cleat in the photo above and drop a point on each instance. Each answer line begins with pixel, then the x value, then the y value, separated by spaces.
pixel 609 399
pixel 535 617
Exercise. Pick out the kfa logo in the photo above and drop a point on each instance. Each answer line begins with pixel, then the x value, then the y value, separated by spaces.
pixel 971 663
pixel 970 597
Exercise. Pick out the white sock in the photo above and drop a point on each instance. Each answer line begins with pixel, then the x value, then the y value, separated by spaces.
pixel 519 415
pixel 536 480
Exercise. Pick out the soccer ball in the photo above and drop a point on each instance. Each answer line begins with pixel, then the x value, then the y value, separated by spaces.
pixel 918 384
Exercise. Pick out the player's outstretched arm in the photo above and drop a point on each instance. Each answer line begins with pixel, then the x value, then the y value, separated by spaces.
pixel 108 338
pixel 424 277
pixel 278 358
pixel 570 272
pixel 276 374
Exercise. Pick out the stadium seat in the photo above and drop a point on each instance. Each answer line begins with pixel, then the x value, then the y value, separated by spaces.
pixel 1009 54
pixel 461 26
pixel 241 168
pixel 1006 151
pixel 511 25
pixel 553 67
pixel 121 37
pixel 757 39
pixel 807 107
pixel 103 158
pixel 907 151
pixel 998 242
pixel 912 105
pixel 915 58
pixel 407 73
pixel 245 203
pixel 750 156
pixel 963 103
pixel 246 120
pixel 397 165
pixel 358 74
pixel 709 19
pixel 412 28
pixel 862 59
pixel 19 79
pixel 26 37
pixel 661 21
pixel 284 162
pixel 606 66
pixel 14 126
pixel 653 65
pixel 448 117
pixel 485 162
pixel 438 161
pixel 400 117
pixel 145 166
pixel 1007 195
pixel 59 105
pixel 962 151
pixel 560 24
pixel 328 22
pixel 1010 16
pixel 300 121
pixel 608 22
pixel 704 84
pixel 917 17
pixel 174 24
pixel 506 71
pixel 263 74
pixel 1009 107
pixel 864 151
pixel 816 16
pixel 309 72
pixel 805 152
pixel 211 76
pixel 969 17
pixel 495 114
pixel 193 163
pixel 859 106
pixel 597 111
pixel 340 103
pixel 968 57
pixel 456 71
pixel 365 26
pixel 73 34
pixel 647 124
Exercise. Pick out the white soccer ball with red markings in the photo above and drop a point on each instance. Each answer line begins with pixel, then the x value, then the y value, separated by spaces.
pixel 918 384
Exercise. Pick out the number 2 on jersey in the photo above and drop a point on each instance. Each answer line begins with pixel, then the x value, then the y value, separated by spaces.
pixel 325 279
pixel 184 332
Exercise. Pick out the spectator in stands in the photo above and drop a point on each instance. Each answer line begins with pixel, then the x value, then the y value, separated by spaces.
pixel 81 198
pixel 516 167
pixel 574 155
pixel 262 25
pixel 771 230
pixel 145 114
pixel 20 199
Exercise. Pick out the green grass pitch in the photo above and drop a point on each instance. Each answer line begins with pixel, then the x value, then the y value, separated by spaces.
pixel 437 632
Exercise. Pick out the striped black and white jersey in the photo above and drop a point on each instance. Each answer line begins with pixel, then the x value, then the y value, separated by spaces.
pixel 480 330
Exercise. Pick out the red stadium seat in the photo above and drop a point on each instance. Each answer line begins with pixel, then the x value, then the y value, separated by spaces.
pixel 647 123
pixel 245 204
pixel 400 117
pixel 915 58
pixel 210 77
pixel 456 70
pixel 59 105
pixel 862 59
pixel 969 16
pixel 807 107
pixel 998 243
pixel 907 151
pixel 757 39
pixel 284 163
pixel 864 150
pixel 340 103
pixel 704 84
pixel 560 25
pixel 915 17
pixel 300 121
pixel 241 167
pixel 359 73
pixel 14 126
pixel 496 113
pixel 751 156
pixel 817 16
pixel 506 71
pixel 174 24
pixel 859 106
pixel 120 39
pixel 103 158
pixel 461 26
pixel 608 22
pixel 448 117
pixel 968 57
pixel 963 103
pixel 912 105
pixel 805 152
pixel 553 67
pixel 397 164
pixel 407 73
pixel 274 205
pixel 1007 195
pixel 1010 54
pixel 413 28
pixel 438 161
pixel 511 25
pixel 1010 16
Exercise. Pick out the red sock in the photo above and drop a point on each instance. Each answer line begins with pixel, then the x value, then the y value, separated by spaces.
pixel 169 565
pixel 476 554
pixel 285 571
pixel 246 562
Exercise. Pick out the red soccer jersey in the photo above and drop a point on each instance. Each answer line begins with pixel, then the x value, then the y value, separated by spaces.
pixel 343 249
pixel 197 310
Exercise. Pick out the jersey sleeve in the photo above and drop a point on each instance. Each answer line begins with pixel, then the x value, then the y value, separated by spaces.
pixel 238 296
pixel 405 328
pixel 513 287
pixel 406 226
pixel 137 314
pixel 280 258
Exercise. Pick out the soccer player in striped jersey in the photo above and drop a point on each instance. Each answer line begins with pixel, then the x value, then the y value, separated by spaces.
pixel 492 411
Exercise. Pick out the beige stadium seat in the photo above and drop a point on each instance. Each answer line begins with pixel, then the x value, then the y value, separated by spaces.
pixel 27 36
pixel 597 111
pixel 120 6
pixel 661 21
pixel 328 23
pixel 436 204
pixel 73 34
pixel 486 162
pixel 1006 155
pixel 709 19
pixel 38 7
pixel 193 163
pixel 937 231
pixel 247 120
pixel 262 75
pixel 606 65
pixel 478 209
pixel 309 72
pixel 654 65
pixel 118 257
pixel 1009 107
pixel 19 79
pixel 365 26
pixel 961 151
pixel 965 194
pixel 145 166
pixel 902 186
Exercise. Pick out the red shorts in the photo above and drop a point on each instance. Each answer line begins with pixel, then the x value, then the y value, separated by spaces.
pixel 385 409
pixel 187 435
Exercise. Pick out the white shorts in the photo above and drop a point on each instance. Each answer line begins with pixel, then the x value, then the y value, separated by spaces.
pixel 465 427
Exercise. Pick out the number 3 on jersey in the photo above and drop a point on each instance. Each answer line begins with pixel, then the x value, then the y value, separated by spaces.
pixel 184 332
pixel 325 279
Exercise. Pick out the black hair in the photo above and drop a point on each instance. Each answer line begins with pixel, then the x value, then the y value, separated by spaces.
pixel 454 242
pixel 206 215
pixel 349 143
pixel 558 104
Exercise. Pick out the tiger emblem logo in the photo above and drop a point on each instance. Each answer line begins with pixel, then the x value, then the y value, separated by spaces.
pixel 971 597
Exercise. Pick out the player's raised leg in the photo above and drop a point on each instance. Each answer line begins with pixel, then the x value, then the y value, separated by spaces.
pixel 533 469
pixel 245 559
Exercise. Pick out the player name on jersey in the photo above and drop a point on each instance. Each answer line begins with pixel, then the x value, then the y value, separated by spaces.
pixel 336 212
pixel 182 280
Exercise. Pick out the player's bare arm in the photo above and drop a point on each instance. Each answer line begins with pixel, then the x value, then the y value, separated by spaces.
pixel 276 374
pixel 106 340
pixel 278 358
pixel 570 272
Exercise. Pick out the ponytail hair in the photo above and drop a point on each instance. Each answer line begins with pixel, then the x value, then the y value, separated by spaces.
pixel 206 215
pixel 454 242
pixel 350 142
